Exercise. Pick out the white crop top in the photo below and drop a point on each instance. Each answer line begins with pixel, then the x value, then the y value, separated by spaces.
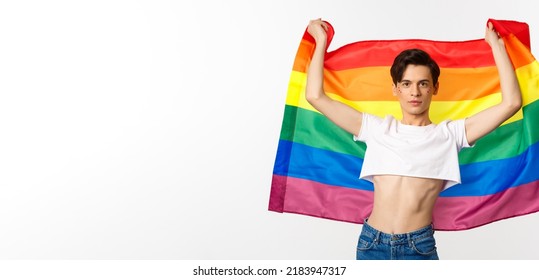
pixel 428 151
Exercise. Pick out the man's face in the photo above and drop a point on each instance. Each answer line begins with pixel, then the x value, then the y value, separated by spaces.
pixel 415 90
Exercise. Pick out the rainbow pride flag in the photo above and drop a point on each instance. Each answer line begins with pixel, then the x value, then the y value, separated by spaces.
pixel 318 164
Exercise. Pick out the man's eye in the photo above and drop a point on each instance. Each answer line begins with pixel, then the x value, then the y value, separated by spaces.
pixel 424 84
pixel 405 84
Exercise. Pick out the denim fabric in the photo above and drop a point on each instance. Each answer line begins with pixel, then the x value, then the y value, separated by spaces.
pixel 376 245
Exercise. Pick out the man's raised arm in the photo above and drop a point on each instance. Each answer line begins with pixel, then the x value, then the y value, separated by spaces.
pixel 341 114
pixel 489 119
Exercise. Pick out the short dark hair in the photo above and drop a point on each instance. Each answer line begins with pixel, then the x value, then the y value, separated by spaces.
pixel 415 57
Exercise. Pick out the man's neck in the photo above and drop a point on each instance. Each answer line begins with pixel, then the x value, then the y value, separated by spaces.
pixel 417 120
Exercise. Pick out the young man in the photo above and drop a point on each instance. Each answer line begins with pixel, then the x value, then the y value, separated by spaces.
pixel 412 160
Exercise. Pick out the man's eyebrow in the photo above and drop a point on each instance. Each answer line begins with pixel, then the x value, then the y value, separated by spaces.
pixel 420 81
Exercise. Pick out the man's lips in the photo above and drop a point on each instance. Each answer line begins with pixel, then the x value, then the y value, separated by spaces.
pixel 415 102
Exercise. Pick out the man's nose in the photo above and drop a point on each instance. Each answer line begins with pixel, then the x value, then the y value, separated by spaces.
pixel 414 91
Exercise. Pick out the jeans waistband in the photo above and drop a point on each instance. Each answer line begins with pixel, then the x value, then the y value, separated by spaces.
pixel 400 238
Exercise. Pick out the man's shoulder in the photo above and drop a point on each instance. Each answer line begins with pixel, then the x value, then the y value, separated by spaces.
pixel 451 123
pixel 389 118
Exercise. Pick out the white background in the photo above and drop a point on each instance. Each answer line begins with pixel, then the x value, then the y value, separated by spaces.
pixel 148 129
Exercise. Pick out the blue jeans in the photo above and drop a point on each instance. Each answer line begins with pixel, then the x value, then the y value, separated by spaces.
pixel 376 245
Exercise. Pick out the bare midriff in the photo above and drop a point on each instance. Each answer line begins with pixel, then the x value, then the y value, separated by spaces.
pixel 403 204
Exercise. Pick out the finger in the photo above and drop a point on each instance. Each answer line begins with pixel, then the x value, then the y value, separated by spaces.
pixel 325 25
pixel 491 28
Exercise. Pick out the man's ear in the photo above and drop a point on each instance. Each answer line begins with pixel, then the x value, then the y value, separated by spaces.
pixel 436 87
pixel 394 89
